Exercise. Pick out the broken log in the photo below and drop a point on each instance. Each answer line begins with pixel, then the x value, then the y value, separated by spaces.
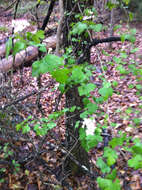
pixel 4 40
pixel 25 56
pixel 2 50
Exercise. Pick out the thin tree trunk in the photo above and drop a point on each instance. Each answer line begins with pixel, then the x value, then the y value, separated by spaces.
pixel 73 99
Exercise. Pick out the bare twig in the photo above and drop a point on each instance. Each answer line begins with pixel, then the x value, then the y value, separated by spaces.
pixel 24 97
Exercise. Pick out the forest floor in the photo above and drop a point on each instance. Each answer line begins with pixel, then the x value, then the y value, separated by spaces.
pixel 40 167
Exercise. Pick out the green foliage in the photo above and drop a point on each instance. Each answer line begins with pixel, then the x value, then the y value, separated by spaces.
pixel 22 41
pixel 16 166
pixel 61 75
pixel 6 150
pixel 40 127
pixel 106 91
pixel 117 141
pixel 130 36
pixel 71 74
pixel 135 162
pixel 110 155
pixel 18 46
pixel 79 28
pixel 35 38
pixel 85 26
pixel 48 65
pixel 8 47
pixel 95 27
pixel 103 166
pixel 86 89
pixel 7 153
pixel 89 141
pixel 107 184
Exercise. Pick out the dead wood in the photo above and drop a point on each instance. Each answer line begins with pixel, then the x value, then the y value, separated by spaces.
pixel 25 56
pixel 3 41
pixel 2 50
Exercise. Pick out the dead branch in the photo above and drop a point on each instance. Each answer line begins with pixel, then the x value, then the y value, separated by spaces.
pixel 25 97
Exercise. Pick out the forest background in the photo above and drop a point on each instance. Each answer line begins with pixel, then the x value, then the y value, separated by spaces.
pixel 70 94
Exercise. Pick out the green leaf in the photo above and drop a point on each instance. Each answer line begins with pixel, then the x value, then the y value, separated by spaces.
pixel 128 110
pixel 111 155
pixel 117 27
pixel 18 46
pixel 82 137
pixel 113 175
pixel 61 75
pixel 117 141
pixel 110 160
pixel 133 31
pixel 126 1
pixel 62 88
pixel 115 83
pixel 26 129
pixel 137 148
pixel 43 49
pixel 134 50
pixel 18 127
pixel 131 16
pixel 72 109
pixel 106 92
pixel 121 69
pixel 40 34
pixel 111 5
pixel 8 47
pixel 84 114
pixel 36 69
pixel 82 134
pixel 77 124
pixel 39 131
pixel 86 101
pixel 107 184
pixel 85 89
pixel 78 75
pixel 135 162
pixel 138 87
pixel 137 121
pixel 52 62
pixel 48 64
pixel 123 55
pixel 117 59
pixel 130 86
pixel 96 27
pixel 35 38
pixel 103 166
pixel 51 125
pixel 93 140
pixel 92 108
pixel 79 28
pixel 129 37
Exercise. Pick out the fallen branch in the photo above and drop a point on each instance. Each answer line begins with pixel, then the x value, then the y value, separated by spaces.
pixel 86 52
pixel 51 30
pixel 25 97
pixel 25 56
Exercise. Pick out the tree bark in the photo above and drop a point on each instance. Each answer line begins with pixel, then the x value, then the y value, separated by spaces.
pixel 71 8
